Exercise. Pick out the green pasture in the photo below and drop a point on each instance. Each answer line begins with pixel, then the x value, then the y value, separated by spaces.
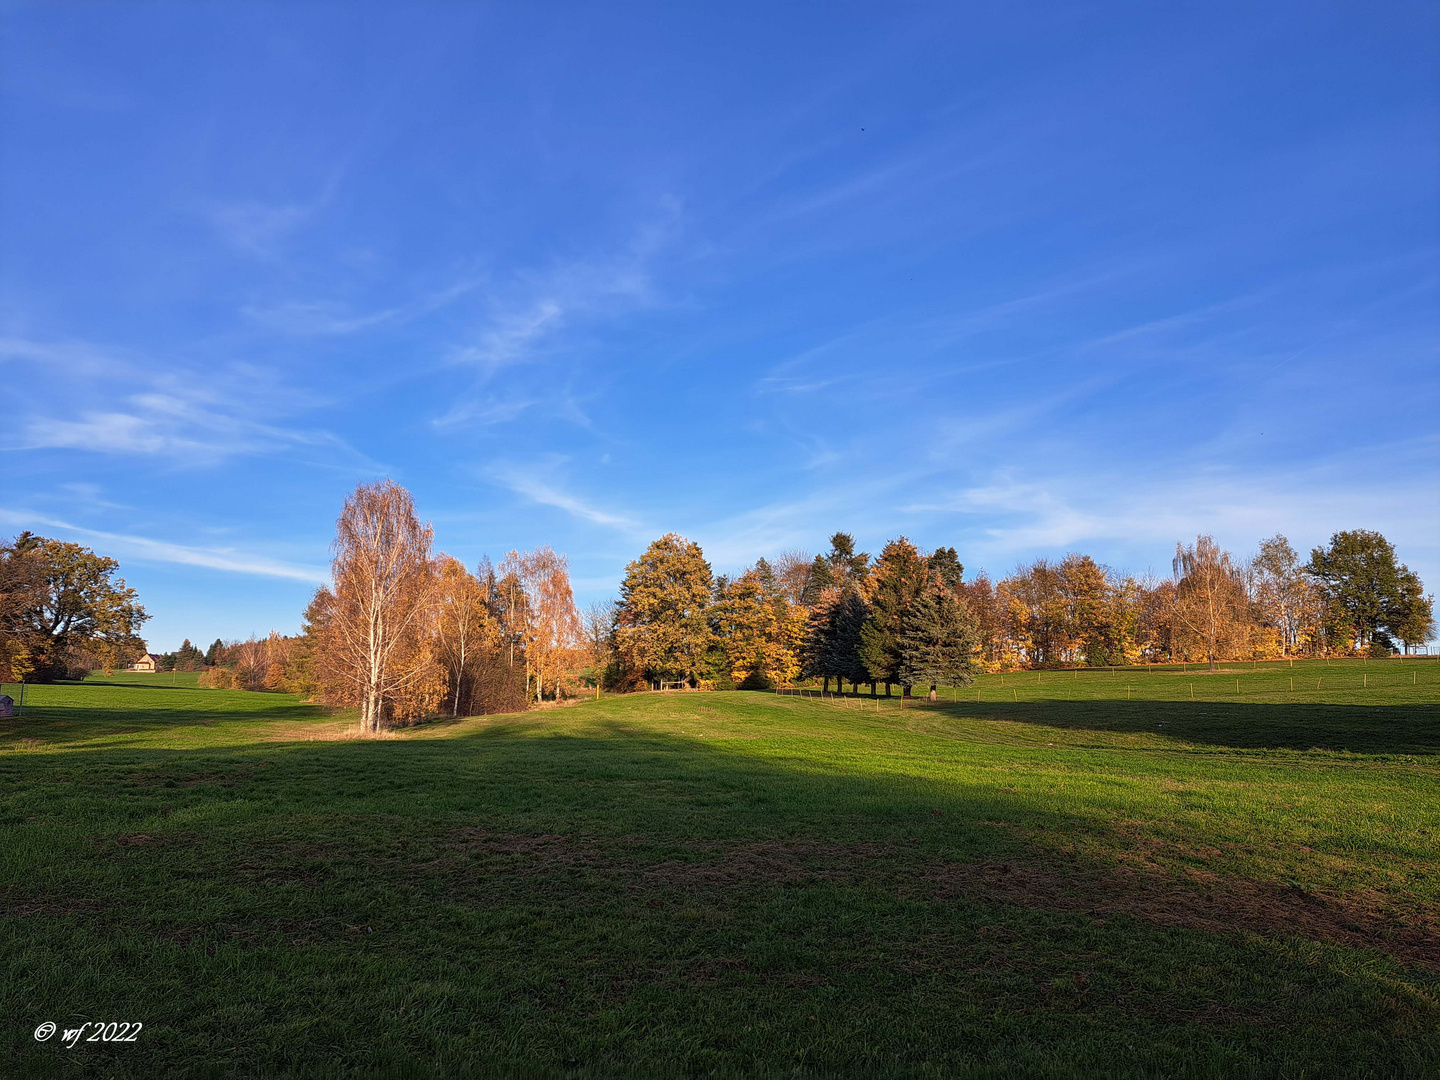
pixel 1085 874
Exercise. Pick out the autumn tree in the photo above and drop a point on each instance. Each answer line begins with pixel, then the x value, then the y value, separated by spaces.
pixel 60 596
pixel 1155 619
pixel 549 622
pixel 1037 614
pixel 464 628
pixel 598 625
pixel 1099 606
pixel 895 584
pixel 792 574
pixel 1211 609
pixel 21 590
pixel 1285 599
pixel 987 608
pixel 661 628
pixel 758 630
pixel 376 648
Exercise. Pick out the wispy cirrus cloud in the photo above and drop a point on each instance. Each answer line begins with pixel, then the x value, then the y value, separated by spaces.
pixel 260 227
pixel 538 307
pixel 330 318
pixel 526 321
pixel 161 551
pixel 1051 510
pixel 537 486
pixel 168 412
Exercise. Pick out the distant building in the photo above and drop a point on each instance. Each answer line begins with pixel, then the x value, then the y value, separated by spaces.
pixel 148 662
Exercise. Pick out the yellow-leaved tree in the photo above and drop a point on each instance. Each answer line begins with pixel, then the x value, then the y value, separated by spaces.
pixel 661 629
pixel 375 646
pixel 759 630
pixel 1211 610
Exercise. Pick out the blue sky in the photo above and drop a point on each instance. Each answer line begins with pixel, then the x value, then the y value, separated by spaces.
pixel 1021 279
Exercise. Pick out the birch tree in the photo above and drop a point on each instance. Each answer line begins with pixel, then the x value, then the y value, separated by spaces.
pixel 1211 608
pixel 554 623
pixel 464 628
pixel 377 645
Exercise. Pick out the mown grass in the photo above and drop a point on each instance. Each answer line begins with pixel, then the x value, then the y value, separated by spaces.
pixel 1066 883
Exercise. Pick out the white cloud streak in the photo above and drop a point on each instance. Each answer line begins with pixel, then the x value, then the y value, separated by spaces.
pixel 526 320
pixel 327 318
pixel 546 494
pixel 148 550
pixel 167 414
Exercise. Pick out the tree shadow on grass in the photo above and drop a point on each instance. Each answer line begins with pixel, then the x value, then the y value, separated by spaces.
pixel 58 724
pixel 1358 729
pixel 568 886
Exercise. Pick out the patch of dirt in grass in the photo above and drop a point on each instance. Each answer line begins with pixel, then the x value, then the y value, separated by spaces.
pixel 227 778
pixel 532 854
pixel 48 905
pixel 1194 899
pixel 766 861
pixel 1204 901
pixel 135 840
pixel 718 864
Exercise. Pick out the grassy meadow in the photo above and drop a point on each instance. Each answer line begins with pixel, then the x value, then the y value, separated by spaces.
pixel 1134 874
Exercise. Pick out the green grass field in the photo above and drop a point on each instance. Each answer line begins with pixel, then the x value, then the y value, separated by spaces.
pixel 1069 875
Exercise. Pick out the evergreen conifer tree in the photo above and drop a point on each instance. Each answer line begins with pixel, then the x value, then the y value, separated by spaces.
pixel 766 573
pixel 212 654
pixel 895 584
pixel 847 566
pixel 819 578
pixel 939 642
pixel 819 626
pixel 946 567
pixel 843 645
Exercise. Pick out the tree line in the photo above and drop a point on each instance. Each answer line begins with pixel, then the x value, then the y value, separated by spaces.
pixel 402 632
pixel 910 618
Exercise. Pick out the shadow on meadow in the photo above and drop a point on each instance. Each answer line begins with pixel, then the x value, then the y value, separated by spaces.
pixel 60 722
pixel 632 899
pixel 1358 729
pixel 632 806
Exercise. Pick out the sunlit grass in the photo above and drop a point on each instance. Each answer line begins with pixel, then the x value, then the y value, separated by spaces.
pixel 1080 879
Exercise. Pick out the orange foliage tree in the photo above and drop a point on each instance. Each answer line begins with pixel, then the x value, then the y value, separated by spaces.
pixel 547 622
pixel 375 645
